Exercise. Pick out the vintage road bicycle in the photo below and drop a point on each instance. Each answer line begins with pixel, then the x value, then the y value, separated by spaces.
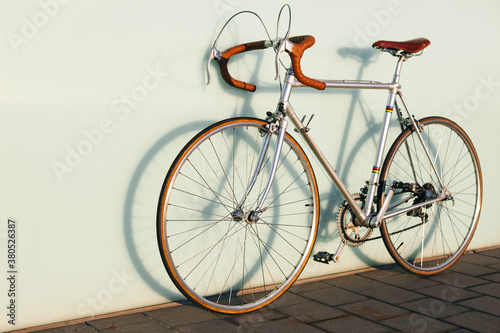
pixel 239 209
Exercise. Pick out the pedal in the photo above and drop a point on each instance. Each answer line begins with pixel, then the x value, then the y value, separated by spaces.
pixel 323 257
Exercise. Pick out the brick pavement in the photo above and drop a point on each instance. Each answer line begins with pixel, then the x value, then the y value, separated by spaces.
pixel 386 299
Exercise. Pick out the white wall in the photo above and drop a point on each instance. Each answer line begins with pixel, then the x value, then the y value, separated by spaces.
pixel 97 97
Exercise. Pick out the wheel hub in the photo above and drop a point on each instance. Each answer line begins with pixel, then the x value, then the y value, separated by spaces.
pixel 251 217
pixel 425 193
pixel 237 215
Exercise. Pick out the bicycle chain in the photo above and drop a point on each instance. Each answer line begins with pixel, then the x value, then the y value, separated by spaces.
pixel 396 232
pixel 355 243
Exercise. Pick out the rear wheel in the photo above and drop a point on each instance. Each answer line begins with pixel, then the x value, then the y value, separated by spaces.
pixel 215 253
pixel 430 239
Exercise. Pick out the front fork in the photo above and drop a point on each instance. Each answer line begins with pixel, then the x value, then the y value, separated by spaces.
pixel 278 125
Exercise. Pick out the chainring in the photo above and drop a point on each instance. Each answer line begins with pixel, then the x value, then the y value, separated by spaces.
pixel 348 231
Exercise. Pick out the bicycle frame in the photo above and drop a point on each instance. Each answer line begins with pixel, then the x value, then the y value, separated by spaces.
pixel 364 218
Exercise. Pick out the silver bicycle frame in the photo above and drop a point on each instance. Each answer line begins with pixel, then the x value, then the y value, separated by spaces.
pixel 363 217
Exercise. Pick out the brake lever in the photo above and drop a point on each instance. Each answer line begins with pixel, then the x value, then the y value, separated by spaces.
pixel 214 54
pixel 278 49
pixel 284 45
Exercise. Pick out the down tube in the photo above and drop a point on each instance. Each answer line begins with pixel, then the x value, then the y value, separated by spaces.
pixel 324 162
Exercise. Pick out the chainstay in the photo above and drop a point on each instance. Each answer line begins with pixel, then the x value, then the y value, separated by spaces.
pixel 396 232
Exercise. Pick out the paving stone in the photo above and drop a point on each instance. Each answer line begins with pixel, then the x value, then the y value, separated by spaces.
pixel 492 289
pixel 465 298
pixel 114 322
pixel 300 288
pixel 476 321
pixel 492 252
pixel 487 304
pixel 351 324
pixel 448 293
pixel 495 267
pixel 409 281
pixel 333 296
pixel 471 269
pixel 382 272
pixel 417 323
pixel 373 310
pixel 288 299
pixel 151 326
pixel 76 328
pixel 287 325
pixel 479 259
pixel 181 315
pixel 311 312
pixel 391 294
pixel 259 316
pixel 220 325
pixel 457 279
pixel 493 277
pixel 434 308
pixel 354 282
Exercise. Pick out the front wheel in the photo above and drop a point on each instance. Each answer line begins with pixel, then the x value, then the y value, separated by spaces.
pixel 216 252
pixel 429 239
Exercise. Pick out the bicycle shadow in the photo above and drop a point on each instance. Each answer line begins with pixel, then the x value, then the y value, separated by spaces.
pixel 141 199
pixel 346 160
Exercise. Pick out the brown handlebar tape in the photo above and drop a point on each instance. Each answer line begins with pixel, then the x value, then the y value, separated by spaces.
pixel 302 43
pixel 230 80
pixel 225 59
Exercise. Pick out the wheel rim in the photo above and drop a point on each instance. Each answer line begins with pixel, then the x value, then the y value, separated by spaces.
pixel 428 246
pixel 221 260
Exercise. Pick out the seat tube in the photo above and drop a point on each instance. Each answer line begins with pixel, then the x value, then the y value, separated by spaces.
pixel 375 175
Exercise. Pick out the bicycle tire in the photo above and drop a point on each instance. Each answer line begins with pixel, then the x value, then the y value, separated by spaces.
pixel 427 247
pixel 221 263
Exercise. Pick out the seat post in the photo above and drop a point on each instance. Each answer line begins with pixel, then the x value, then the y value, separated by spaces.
pixel 397 73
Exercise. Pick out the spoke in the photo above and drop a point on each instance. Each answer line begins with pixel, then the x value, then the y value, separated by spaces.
pixel 433 245
pixel 216 257
pixel 209 249
pixel 223 169
pixel 270 249
pixel 196 236
pixel 199 197
pixel 233 199
pixel 198 211
pixel 216 261
pixel 278 234
pixel 206 186
pixel 255 238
